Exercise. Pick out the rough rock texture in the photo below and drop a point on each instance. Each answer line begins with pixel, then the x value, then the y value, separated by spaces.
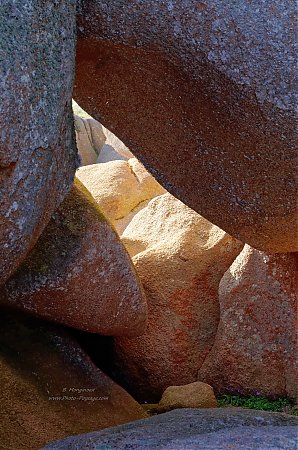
pixel 256 344
pixel 204 95
pixel 119 188
pixel 80 274
pixel 37 148
pixel 90 139
pixel 180 258
pixel 50 388
pixel 194 429
pixel 193 395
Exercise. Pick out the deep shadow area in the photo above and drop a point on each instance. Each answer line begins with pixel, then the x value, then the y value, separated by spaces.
pixel 101 349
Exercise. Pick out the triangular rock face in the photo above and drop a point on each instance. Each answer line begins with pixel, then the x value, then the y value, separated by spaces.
pixel 202 94
pixel 38 156
pixel 80 274
pixel 50 388
pixel 255 350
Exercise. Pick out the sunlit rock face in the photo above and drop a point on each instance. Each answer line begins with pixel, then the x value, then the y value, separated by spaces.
pixel 120 188
pixel 180 258
pixel 204 93
pixel 90 139
pixel 37 148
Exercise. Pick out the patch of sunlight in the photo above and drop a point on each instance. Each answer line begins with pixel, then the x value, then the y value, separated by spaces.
pixel 78 111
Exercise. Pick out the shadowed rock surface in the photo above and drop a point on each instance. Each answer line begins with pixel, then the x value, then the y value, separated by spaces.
pixel 47 386
pixel 204 94
pixel 80 274
pixel 193 430
pixel 37 149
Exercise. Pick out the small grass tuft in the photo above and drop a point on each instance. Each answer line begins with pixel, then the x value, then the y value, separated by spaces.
pixel 258 402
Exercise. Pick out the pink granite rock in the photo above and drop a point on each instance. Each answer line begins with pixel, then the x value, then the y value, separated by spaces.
pixel 255 349
pixel 180 258
pixel 204 95
pixel 80 274
pixel 51 389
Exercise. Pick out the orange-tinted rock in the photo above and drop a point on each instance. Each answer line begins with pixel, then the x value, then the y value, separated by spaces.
pixel 50 388
pixel 180 258
pixel 255 350
pixel 80 274
pixel 204 95
pixel 119 188
pixel 38 156
pixel 193 395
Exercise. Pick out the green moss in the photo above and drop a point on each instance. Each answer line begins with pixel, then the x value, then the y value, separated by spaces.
pixel 36 262
pixel 87 196
pixel 258 402
pixel 62 234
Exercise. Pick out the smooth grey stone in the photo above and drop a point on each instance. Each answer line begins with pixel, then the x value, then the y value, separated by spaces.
pixel 191 429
